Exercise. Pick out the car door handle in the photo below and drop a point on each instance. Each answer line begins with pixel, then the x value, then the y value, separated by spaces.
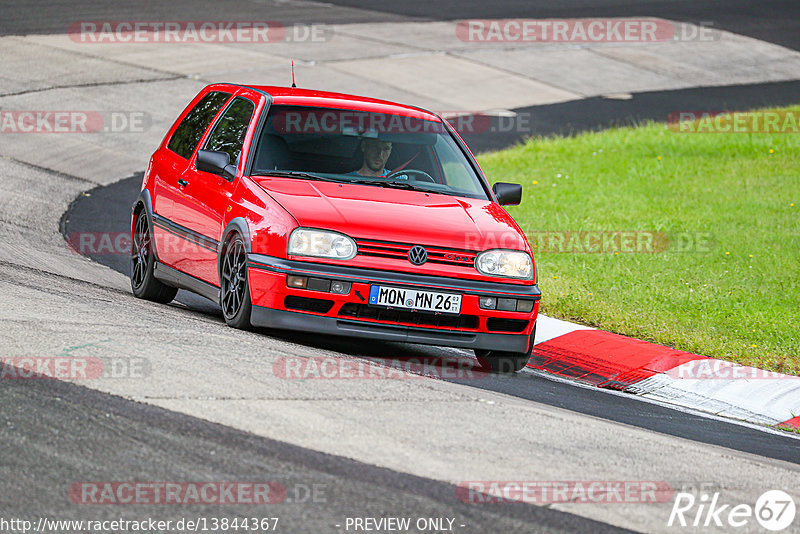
pixel 183 183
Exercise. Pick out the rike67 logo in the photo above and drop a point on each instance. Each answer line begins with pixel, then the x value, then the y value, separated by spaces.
pixel 774 510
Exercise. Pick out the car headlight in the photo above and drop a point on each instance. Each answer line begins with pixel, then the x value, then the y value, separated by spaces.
pixel 321 244
pixel 505 264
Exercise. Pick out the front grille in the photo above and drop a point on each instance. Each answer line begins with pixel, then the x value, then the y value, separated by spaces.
pixel 387 249
pixel 506 325
pixel 362 311
pixel 308 304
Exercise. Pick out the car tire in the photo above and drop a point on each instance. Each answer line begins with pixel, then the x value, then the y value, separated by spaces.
pixel 502 362
pixel 234 294
pixel 506 362
pixel 143 283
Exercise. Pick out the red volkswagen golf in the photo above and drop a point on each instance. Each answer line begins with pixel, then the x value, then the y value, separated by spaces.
pixel 335 214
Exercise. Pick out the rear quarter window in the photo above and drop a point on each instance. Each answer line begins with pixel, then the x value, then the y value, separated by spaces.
pixel 189 132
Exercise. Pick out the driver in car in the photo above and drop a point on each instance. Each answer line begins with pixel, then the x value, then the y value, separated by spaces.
pixel 376 153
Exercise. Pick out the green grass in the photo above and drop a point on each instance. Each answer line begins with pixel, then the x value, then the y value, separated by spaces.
pixel 736 297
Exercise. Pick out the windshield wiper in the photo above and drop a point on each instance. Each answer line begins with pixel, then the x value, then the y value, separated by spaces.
pixel 298 174
pixel 393 184
pixel 310 176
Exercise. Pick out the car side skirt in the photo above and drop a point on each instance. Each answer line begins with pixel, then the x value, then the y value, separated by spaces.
pixel 176 278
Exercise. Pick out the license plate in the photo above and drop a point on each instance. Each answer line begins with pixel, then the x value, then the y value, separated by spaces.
pixel 414 299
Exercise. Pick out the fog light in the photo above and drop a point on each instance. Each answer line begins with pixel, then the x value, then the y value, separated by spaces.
pixel 487 303
pixel 525 306
pixel 341 288
pixel 507 304
pixel 296 281
pixel 319 284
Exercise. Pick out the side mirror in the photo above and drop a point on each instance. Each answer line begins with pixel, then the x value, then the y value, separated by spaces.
pixel 507 194
pixel 216 162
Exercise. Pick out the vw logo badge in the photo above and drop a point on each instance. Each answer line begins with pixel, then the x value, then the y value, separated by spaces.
pixel 417 255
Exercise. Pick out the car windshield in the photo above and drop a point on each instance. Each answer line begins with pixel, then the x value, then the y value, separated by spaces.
pixel 376 149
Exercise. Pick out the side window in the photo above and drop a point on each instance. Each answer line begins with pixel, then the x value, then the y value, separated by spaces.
pixel 457 174
pixel 194 124
pixel 229 132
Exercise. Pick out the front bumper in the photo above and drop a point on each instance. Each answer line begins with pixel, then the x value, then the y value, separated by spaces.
pixel 275 306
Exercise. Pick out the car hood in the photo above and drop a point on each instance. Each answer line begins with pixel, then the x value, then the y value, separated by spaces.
pixel 379 213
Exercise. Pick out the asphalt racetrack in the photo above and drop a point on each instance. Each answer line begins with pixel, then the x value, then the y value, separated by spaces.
pixel 197 401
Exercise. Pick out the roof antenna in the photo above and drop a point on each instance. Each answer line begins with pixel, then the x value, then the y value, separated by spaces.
pixel 293 85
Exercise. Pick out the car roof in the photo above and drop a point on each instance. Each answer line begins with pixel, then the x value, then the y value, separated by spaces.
pixel 294 96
